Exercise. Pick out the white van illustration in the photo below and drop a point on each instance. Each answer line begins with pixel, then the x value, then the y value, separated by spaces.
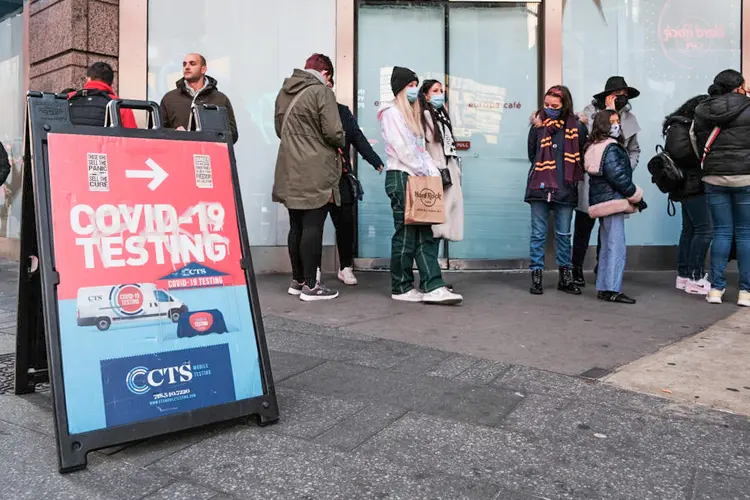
pixel 101 305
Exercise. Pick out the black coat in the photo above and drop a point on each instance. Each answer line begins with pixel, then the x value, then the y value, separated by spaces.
pixel 730 153
pixel 616 179
pixel 679 147
pixel 4 164
pixel 355 137
pixel 566 194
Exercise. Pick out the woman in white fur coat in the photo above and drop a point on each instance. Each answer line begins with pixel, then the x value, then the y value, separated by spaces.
pixel 441 146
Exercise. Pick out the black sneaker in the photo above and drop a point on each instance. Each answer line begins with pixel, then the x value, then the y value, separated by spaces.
pixel 578 279
pixel 295 288
pixel 320 292
pixel 617 297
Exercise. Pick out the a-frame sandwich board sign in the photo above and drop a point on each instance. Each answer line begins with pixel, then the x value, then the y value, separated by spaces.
pixel 137 297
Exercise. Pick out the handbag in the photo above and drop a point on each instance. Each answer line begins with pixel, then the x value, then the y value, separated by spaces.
pixel 351 188
pixel 445 176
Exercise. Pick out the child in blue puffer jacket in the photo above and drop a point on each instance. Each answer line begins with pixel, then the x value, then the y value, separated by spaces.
pixel 612 195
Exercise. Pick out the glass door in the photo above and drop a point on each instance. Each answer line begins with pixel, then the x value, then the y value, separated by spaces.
pixel 389 34
pixel 487 55
pixel 493 56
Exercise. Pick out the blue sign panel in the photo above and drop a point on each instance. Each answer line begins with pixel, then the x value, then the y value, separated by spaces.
pixel 154 385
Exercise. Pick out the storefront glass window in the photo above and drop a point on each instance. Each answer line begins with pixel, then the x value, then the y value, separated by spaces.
pixel 11 125
pixel 250 48
pixel 670 50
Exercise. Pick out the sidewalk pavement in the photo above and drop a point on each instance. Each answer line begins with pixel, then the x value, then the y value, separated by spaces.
pixel 368 417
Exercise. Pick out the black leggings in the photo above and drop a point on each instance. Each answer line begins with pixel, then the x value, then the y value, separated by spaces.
pixel 581 237
pixel 306 242
pixel 343 220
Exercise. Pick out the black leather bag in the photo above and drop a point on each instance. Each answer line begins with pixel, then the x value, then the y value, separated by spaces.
pixel 445 175
pixel 351 189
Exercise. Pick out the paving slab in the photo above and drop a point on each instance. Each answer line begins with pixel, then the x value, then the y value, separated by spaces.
pixel 548 469
pixel 436 396
pixel 259 465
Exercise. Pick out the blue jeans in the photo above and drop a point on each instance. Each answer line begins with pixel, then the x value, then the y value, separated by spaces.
pixel 730 211
pixel 697 232
pixel 613 254
pixel 563 217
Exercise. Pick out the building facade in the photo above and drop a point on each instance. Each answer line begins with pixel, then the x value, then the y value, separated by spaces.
pixel 496 57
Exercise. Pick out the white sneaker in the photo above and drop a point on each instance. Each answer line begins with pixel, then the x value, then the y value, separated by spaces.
pixel 410 296
pixel 681 283
pixel 442 296
pixel 714 296
pixel 346 276
pixel 698 287
pixel 744 299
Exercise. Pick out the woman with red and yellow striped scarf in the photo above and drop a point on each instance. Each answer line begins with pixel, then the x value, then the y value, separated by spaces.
pixel 556 140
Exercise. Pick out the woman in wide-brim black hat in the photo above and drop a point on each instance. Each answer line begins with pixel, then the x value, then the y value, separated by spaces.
pixel 616 96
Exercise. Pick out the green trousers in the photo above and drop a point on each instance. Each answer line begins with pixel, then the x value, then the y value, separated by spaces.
pixel 410 243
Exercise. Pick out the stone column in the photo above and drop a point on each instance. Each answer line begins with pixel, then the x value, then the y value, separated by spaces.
pixel 66 37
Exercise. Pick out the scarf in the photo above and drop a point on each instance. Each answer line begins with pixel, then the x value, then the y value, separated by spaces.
pixel 446 132
pixel 544 174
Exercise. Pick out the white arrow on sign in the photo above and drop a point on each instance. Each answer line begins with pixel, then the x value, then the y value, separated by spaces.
pixel 156 174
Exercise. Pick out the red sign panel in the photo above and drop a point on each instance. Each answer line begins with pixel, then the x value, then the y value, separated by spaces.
pixel 463 145
pixel 140 209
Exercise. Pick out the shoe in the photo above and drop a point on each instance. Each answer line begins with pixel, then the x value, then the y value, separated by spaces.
pixel 681 283
pixel 565 284
pixel 618 297
pixel 698 287
pixel 744 299
pixel 442 296
pixel 537 285
pixel 578 278
pixel 715 296
pixel 346 276
pixel 410 296
pixel 449 287
pixel 320 292
pixel 295 288
pixel 318 275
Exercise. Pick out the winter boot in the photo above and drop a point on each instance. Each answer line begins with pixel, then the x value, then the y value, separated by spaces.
pixel 566 282
pixel 536 282
pixel 578 278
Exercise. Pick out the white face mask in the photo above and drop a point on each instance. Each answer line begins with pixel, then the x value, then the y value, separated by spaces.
pixel 615 130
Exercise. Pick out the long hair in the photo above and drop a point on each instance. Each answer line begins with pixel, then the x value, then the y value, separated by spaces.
pixel 435 114
pixel 687 110
pixel 601 126
pixel 725 82
pixel 563 93
pixel 412 113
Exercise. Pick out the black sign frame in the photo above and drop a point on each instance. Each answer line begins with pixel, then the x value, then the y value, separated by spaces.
pixel 38 353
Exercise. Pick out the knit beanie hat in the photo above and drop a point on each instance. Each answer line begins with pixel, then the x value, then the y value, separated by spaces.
pixel 401 77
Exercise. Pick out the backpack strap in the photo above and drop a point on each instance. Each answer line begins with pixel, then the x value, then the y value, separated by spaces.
pixel 707 149
pixel 289 109
pixel 694 140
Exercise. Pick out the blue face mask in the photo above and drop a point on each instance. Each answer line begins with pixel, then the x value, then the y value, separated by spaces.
pixel 412 93
pixel 437 100
pixel 553 114
pixel 615 130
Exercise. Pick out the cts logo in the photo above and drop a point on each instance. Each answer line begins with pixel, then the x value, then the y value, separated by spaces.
pixel 187 272
pixel 141 380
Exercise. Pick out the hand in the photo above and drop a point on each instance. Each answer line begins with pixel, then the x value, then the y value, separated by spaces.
pixel 380 169
pixel 583 118
pixel 610 102
pixel 180 128
pixel 535 120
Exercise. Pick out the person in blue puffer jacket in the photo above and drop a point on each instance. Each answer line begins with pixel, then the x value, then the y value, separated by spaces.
pixel 612 195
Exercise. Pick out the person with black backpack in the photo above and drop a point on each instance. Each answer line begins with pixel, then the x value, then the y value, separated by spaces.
pixel 678 173
pixel 88 106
